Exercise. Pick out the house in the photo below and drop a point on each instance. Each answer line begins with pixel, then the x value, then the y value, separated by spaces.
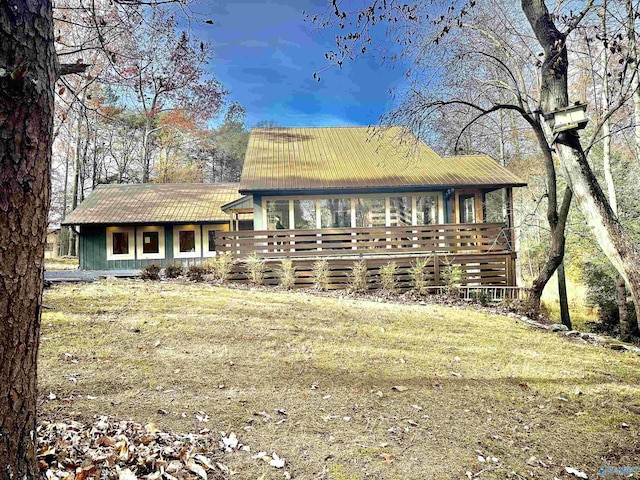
pixel 130 226
pixel 336 192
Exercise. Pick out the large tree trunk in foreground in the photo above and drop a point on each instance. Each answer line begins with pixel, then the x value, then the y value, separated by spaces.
pixel 587 192
pixel 27 77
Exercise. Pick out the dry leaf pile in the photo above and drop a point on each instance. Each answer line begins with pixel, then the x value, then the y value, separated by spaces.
pixel 124 450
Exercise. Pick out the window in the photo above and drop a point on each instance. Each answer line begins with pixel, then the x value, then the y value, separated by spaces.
pixel 495 204
pixel 150 243
pixel 370 212
pixel 209 238
pixel 427 210
pixel 335 213
pixel 400 211
pixel 278 214
pixel 186 241
pixel 304 214
pixel 120 243
pixel 466 204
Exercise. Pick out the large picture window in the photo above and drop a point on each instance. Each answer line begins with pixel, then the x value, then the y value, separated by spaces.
pixel 335 213
pixel 120 243
pixel 150 242
pixel 427 210
pixel 400 211
pixel 304 214
pixel 277 214
pixel 370 212
pixel 186 241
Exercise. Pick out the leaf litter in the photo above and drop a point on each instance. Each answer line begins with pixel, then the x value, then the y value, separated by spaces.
pixel 125 450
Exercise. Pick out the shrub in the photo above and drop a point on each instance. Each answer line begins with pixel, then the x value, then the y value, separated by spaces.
pixel 451 276
pixel 602 292
pixel 480 296
pixel 173 271
pixel 321 274
pixel 388 277
pixel 287 274
pixel 196 273
pixel 150 272
pixel 255 268
pixel 358 276
pixel 418 274
pixel 220 266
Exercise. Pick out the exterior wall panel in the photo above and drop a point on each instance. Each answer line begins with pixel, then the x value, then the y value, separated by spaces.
pixel 93 251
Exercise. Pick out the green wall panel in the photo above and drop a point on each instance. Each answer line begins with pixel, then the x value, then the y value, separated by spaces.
pixel 93 251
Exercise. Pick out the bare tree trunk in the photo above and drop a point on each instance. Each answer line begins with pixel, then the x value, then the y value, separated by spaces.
pixel 589 196
pixel 27 79
pixel 557 220
pixel 146 150
pixel 562 295
pixel 77 165
pixel 64 237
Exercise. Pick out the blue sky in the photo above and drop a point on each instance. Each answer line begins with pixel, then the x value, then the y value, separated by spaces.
pixel 266 54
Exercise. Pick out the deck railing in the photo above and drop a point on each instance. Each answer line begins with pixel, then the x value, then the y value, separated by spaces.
pixel 446 238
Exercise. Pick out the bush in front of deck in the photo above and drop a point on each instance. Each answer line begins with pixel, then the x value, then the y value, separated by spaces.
pixel 388 274
pixel 220 267
pixel 321 274
pixel 451 277
pixel 255 268
pixel 419 275
pixel 358 276
pixel 287 274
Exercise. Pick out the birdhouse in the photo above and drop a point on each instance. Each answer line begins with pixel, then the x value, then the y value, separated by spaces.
pixel 572 117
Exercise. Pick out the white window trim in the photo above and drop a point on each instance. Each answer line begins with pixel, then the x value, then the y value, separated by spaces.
pixel 139 244
pixel 205 237
pixel 176 241
pixel 127 256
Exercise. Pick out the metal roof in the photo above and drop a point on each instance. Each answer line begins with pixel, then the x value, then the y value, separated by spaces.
pixel 154 203
pixel 325 158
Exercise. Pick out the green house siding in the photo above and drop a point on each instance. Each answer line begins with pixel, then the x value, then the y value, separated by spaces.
pixel 93 251
pixel 257 212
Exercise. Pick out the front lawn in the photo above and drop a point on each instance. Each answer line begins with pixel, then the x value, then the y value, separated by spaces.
pixel 341 388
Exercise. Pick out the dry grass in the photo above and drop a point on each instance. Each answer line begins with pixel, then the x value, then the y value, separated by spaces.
pixel 61 263
pixel 475 382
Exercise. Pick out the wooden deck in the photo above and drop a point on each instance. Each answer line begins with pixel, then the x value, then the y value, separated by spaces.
pixel 470 238
pixel 481 251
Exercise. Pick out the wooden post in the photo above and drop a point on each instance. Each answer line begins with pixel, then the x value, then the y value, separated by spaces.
pixel 511 236
pixel 436 270
pixel 509 267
